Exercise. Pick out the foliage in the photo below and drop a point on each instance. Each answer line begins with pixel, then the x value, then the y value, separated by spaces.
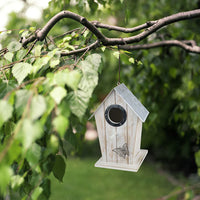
pixel 167 84
pixel 45 99
pixel 40 93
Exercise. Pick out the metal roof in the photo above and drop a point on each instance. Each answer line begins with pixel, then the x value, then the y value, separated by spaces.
pixel 134 104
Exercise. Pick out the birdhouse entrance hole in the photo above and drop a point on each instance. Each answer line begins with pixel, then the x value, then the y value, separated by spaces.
pixel 115 115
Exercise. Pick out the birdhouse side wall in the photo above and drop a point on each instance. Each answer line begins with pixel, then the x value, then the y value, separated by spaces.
pixel 100 123
pixel 138 136
pixel 111 137
pixel 111 131
pixel 132 134
pixel 122 131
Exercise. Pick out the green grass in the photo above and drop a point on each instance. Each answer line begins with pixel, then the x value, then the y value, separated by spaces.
pixel 83 181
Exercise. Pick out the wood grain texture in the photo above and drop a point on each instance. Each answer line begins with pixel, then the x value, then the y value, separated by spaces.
pixel 115 140
pixel 132 126
pixel 122 132
pixel 138 136
pixel 100 123
pixel 123 166
pixel 110 132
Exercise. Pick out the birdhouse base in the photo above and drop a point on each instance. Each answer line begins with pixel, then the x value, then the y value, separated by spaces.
pixel 137 161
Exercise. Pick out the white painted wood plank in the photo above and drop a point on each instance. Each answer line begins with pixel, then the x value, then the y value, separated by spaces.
pixel 134 167
pixel 139 135
pixel 132 127
pixel 100 123
pixel 122 132
pixel 110 132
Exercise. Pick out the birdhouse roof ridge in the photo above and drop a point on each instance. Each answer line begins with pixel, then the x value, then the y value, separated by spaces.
pixel 135 105
pixel 132 101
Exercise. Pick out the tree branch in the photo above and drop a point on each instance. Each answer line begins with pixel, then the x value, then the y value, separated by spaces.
pixel 186 45
pixel 159 24
pixel 122 29
pixel 67 14
pixel 91 46
pixel 150 27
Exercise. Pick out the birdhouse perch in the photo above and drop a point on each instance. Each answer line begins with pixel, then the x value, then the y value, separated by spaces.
pixel 119 121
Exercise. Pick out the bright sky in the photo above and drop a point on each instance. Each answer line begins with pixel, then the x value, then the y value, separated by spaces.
pixel 7 6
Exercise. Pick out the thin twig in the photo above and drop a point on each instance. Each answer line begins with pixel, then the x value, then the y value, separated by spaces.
pixel 81 57
pixel 67 33
pixel 122 29
pixel 186 45
pixel 77 51
pixel 30 49
pixel 18 61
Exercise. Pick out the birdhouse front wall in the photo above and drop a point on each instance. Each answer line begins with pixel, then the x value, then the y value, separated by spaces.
pixel 112 138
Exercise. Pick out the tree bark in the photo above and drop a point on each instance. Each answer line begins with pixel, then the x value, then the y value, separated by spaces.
pixel 147 28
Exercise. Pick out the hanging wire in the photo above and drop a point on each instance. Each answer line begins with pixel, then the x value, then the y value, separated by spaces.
pixel 118 83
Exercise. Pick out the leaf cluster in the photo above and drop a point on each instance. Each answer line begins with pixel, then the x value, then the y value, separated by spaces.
pixel 42 95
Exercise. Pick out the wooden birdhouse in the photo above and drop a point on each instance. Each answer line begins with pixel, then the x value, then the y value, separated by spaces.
pixel 119 121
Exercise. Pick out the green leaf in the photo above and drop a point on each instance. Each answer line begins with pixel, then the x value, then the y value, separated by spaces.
pixel 131 60
pixel 58 93
pixel 22 97
pixel 73 79
pixel 139 63
pixel 21 70
pixel 70 78
pixel 59 167
pixel 37 50
pixel 173 72
pixel 78 101
pixel 9 127
pixel 60 124
pixel 33 155
pixel 94 60
pixel 103 48
pixel 30 132
pixel 16 181
pixel 116 54
pixel 21 31
pixel 38 106
pixel 39 63
pixel 5 111
pixel 50 104
pixel 88 83
pixel 54 62
pixel 90 69
pixel 20 54
pixel 64 109
pixel 5 177
pixel 54 57
pixel 14 46
pixel 36 193
pixel 9 56
pixel 86 33
pixel 14 152
pixel 59 78
pixel 6 87
pixel 32 28
pixel 25 33
pixel 53 143
pixel 67 38
pixel 93 6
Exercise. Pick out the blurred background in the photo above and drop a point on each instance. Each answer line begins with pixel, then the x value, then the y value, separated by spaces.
pixel 166 80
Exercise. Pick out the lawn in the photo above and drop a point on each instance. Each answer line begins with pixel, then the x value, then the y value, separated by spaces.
pixel 83 181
